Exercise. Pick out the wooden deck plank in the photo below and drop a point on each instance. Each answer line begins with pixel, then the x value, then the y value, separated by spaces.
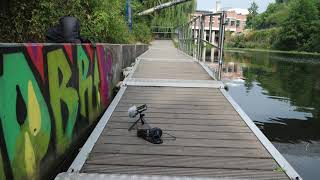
pixel 169 95
pixel 179 107
pixel 180 150
pixel 236 144
pixel 183 161
pixel 204 122
pixel 206 103
pixel 173 90
pixel 190 135
pixel 186 116
pixel 175 98
pixel 190 128
pixel 165 171
pixel 182 111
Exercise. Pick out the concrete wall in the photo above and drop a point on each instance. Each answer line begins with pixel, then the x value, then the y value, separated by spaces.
pixel 50 95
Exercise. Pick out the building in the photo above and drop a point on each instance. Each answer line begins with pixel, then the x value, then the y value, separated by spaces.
pixel 236 21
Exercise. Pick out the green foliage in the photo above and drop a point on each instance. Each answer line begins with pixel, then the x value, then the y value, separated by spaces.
pixel 274 16
pixel 142 32
pixel 297 23
pixel 253 12
pixel 15 22
pixel 301 28
pixel 252 39
pixel 101 20
pixel 174 16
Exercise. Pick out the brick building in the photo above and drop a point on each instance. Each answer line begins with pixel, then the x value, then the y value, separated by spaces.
pixel 236 21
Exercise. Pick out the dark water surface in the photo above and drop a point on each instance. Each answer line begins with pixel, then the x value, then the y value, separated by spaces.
pixel 281 93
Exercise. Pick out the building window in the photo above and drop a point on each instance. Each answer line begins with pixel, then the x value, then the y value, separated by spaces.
pixel 233 23
pixel 238 23
pixel 228 21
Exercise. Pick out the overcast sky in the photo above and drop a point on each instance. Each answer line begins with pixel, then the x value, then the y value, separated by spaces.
pixel 211 4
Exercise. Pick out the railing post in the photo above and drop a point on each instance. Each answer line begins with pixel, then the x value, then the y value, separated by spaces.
pixel 183 35
pixel 221 43
pixel 198 41
pixel 203 37
pixel 210 40
pixel 194 38
pixel 187 38
pixel 210 29
pixel 191 39
pixel 179 38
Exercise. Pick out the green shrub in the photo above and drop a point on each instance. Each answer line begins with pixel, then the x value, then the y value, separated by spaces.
pixel 101 20
pixel 252 39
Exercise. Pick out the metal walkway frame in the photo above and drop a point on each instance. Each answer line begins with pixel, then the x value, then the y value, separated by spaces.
pixel 130 81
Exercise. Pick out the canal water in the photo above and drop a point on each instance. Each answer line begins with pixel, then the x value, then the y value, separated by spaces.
pixel 281 94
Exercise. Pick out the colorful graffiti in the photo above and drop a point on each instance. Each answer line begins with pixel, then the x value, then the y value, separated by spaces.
pixel 45 91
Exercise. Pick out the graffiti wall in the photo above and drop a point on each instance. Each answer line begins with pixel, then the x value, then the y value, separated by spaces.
pixel 49 96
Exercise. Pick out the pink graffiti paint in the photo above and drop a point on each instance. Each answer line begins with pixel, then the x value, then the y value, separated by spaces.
pixel 109 64
pixel 36 54
pixel 68 48
pixel 103 70
pixel 90 51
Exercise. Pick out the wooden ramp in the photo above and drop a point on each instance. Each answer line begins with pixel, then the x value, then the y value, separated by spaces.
pixel 214 138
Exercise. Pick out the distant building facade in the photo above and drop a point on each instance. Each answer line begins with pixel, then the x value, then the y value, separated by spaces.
pixel 236 22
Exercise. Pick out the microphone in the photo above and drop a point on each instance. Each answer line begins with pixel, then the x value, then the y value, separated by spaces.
pixel 134 110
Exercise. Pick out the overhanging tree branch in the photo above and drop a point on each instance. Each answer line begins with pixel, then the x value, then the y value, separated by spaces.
pixel 162 6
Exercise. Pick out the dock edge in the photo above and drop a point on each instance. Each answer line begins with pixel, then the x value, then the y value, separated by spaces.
pixel 283 163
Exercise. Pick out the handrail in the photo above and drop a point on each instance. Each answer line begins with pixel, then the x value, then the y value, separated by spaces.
pixel 162 6
pixel 207 42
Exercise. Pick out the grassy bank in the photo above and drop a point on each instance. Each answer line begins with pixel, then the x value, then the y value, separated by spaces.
pixel 260 39
pixel 272 51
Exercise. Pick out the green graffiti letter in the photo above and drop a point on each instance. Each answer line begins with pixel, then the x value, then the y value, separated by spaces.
pixel 24 116
pixel 85 82
pixel 57 62
pixel 96 81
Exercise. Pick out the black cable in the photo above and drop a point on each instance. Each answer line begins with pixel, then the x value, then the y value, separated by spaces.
pixel 171 136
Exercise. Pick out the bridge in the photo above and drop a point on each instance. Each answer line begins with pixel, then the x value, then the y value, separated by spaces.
pixel 214 136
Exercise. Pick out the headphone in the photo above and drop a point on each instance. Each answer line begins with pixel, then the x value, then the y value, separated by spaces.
pixel 152 135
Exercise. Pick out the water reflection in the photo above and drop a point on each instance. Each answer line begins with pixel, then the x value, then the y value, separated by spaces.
pixel 281 93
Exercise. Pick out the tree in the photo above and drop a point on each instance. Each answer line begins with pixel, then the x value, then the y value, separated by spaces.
pixel 300 27
pixel 275 15
pixel 281 1
pixel 253 12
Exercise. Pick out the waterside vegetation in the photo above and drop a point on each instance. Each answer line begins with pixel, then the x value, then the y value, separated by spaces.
pixel 101 20
pixel 288 25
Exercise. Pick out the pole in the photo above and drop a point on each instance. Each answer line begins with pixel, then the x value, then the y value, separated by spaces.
pixel 210 29
pixel 194 38
pixel 162 6
pixel 129 13
pixel 221 42
pixel 203 48
pixel 190 38
pixel 198 39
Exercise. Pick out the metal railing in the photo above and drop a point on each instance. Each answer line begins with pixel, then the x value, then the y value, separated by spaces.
pixel 161 32
pixel 192 38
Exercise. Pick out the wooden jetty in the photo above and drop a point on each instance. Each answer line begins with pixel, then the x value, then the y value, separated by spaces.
pixel 214 137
